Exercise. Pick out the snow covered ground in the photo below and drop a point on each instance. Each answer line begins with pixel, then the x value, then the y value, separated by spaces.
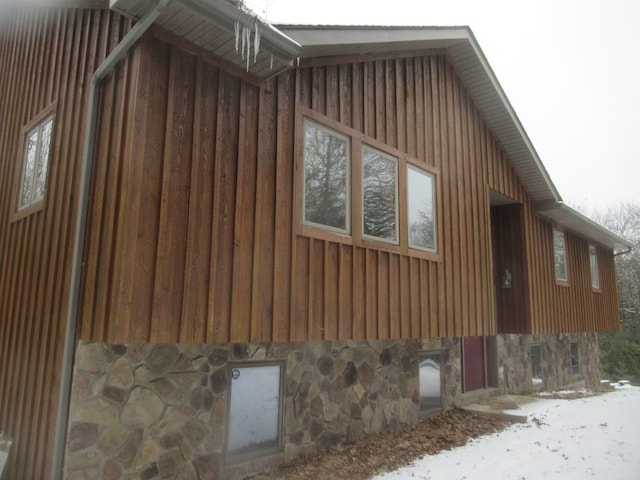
pixel 595 437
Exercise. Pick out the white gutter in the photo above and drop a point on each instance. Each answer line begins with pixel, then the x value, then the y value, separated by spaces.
pixel 103 70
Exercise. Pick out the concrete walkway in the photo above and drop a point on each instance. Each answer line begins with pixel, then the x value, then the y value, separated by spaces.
pixel 502 406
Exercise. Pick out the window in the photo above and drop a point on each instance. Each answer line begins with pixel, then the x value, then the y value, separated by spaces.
pixel 575 361
pixel 379 195
pixel 35 164
pixel 430 381
pixel 255 411
pixel 326 177
pixel 536 365
pixel 559 251
pixel 420 197
pixel 593 260
pixel 353 189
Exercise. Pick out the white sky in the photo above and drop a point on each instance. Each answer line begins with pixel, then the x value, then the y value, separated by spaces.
pixel 570 68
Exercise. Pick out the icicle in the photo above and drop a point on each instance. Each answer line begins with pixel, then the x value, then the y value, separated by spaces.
pixel 237 35
pixel 248 47
pixel 256 43
pixel 298 60
pixel 244 29
pixel 271 63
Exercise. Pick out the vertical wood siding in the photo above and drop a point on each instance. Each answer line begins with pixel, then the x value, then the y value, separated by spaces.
pixel 204 246
pixel 46 57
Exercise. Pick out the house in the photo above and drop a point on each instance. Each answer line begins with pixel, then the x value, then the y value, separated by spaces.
pixel 226 244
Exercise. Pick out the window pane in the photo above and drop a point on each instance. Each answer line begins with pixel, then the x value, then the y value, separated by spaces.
pixel 379 195
pixel 26 189
pixel 421 195
pixel 593 258
pixel 326 187
pixel 254 411
pixel 560 255
pixel 43 161
pixel 575 361
pixel 536 364
pixel 430 381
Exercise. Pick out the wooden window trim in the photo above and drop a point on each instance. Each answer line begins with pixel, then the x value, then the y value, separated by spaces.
pixel 356 237
pixel 43 116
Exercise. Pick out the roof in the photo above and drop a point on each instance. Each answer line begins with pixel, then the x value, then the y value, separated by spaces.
pixel 460 45
pixel 230 33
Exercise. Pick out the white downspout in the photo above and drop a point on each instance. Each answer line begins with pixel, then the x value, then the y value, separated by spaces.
pixel 102 71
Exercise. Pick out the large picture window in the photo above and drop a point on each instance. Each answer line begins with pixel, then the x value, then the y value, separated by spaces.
pixel 420 196
pixel 560 254
pixel 356 190
pixel 326 177
pixel 35 164
pixel 379 195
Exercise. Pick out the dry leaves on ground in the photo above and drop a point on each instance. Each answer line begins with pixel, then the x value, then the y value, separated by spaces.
pixel 387 451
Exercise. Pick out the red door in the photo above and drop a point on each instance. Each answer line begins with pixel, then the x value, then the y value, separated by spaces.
pixel 473 361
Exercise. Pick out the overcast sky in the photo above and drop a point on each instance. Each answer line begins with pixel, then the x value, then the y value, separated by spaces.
pixel 570 68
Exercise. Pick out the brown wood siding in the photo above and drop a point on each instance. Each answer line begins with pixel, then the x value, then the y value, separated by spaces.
pixel 47 58
pixel 205 245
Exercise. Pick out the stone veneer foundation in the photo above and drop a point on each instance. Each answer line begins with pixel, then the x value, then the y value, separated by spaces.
pixel 160 411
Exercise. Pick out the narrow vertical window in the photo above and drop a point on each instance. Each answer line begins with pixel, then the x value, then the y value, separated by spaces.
pixel 326 178
pixel 421 209
pixel 536 365
pixel 35 165
pixel 379 195
pixel 575 359
pixel 593 260
pixel 559 251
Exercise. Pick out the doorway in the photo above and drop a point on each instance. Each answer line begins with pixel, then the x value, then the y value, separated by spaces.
pixel 478 363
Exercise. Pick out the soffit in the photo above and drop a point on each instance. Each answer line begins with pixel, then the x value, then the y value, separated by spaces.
pixel 219 27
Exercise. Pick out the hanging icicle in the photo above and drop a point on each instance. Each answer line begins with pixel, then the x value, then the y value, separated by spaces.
pixel 248 46
pixel 256 43
pixel 271 63
pixel 237 36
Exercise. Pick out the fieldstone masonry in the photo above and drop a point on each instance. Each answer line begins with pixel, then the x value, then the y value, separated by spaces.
pixel 160 411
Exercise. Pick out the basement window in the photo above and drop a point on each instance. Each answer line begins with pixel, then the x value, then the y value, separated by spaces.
pixel 536 364
pixel 575 359
pixel 430 381
pixel 255 411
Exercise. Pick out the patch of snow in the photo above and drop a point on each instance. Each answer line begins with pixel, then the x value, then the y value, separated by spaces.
pixel 595 437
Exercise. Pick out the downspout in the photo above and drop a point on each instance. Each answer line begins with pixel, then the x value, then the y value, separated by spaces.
pixel 73 306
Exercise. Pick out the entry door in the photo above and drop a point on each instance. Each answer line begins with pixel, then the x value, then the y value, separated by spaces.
pixel 478 363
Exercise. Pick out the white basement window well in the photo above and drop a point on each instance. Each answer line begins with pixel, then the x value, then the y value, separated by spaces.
pixel 254 426
pixel 430 381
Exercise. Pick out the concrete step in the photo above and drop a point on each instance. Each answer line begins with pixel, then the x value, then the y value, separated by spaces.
pixel 497 406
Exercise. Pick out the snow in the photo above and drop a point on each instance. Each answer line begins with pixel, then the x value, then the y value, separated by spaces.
pixel 595 437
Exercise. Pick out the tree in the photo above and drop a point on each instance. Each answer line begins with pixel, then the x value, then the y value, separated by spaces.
pixel 620 351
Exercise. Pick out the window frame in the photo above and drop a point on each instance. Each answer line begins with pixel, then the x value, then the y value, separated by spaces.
pixel 594 268
pixel 395 160
pixel 356 236
pixel 45 116
pixel 431 176
pixel 560 280
pixel 348 173
pixel 231 458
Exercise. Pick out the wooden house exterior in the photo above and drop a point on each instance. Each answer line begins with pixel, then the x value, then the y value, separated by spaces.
pixel 196 235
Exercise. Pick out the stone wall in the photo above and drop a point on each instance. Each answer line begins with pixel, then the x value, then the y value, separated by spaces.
pixel 160 411
pixel 514 362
